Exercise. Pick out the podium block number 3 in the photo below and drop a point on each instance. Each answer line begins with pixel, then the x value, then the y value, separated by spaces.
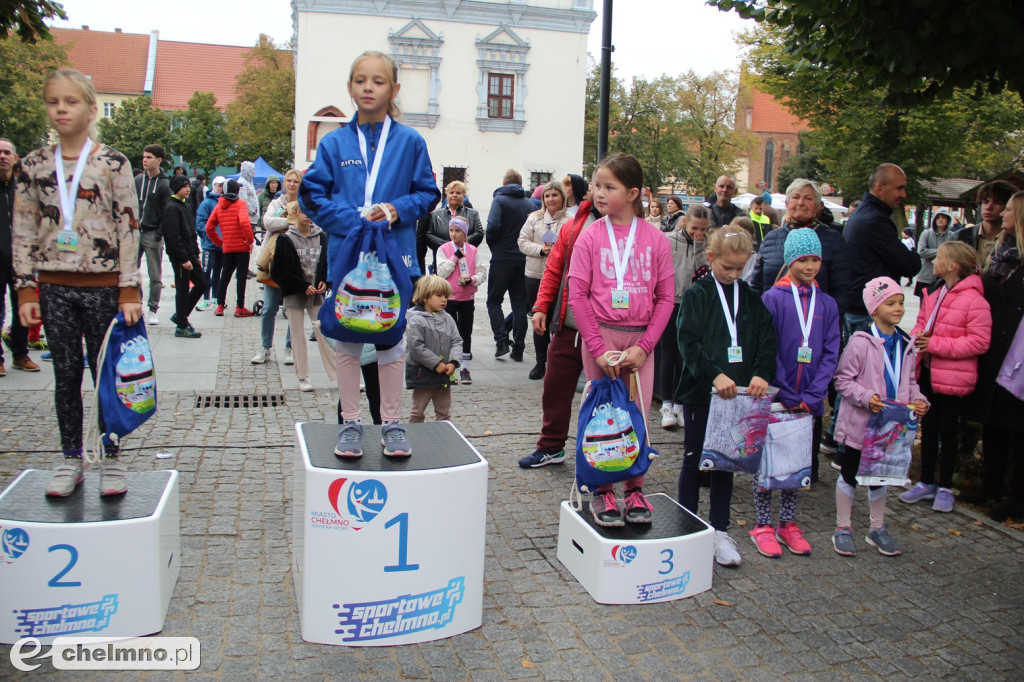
pixel 56 581
pixel 403 545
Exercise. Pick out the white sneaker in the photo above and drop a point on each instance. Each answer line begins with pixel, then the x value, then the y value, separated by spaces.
pixel 152 320
pixel 262 356
pixel 289 357
pixel 67 476
pixel 305 386
pixel 668 418
pixel 726 553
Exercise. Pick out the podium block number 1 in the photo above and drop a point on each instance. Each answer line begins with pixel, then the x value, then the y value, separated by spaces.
pixel 403 545
pixel 56 581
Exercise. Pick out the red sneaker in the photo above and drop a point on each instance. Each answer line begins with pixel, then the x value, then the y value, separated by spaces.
pixel 219 312
pixel 792 537
pixel 243 312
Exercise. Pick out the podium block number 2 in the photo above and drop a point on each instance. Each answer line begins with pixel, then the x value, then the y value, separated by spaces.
pixel 403 545
pixel 56 581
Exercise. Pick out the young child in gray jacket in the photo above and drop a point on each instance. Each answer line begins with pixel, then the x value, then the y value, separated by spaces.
pixel 433 349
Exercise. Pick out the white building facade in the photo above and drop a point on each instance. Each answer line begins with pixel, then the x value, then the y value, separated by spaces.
pixel 490 84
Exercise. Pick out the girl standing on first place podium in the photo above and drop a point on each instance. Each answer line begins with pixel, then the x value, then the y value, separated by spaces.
pixel 371 161
pixel 74 225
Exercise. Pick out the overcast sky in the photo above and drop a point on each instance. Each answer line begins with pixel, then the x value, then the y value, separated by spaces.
pixel 651 37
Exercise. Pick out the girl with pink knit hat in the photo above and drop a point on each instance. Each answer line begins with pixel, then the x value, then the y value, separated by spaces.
pixel 877 365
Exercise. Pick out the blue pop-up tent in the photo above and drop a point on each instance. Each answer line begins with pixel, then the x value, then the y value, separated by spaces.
pixel 263 171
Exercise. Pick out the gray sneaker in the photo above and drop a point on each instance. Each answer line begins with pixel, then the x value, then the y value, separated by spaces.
pixel 68 475
pixel 943 500
pixel 112 477
pixel 350 440
pixel 883 542
pixel 842 542
pixel 395 440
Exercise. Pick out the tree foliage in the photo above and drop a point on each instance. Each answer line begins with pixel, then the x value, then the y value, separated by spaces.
pixel 25 18
pixel 914 51
pixel 679 127
pixel 856 128
pixel 804 164
pixel 260 121
pixel 136 123
pixel 201 138
pixel 22 112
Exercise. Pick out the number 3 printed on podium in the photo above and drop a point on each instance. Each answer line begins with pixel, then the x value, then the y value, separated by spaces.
pixel 403 545
pixel 55 581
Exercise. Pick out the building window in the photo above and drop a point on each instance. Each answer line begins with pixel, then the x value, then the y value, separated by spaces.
pixel 769 164
pixel 451 174
pixel 108 109
pixel 500 95
pixel 539 178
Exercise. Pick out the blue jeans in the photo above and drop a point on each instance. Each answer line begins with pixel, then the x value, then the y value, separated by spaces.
pixel 272 299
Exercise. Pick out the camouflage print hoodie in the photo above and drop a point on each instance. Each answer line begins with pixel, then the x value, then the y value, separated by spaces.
pixel 105 220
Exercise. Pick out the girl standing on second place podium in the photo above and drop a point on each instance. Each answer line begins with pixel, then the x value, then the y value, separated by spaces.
pixel 621 290
pixel 380 167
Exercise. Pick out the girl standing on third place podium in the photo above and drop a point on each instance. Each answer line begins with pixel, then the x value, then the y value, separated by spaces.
pixel 380 166
pixel 74 225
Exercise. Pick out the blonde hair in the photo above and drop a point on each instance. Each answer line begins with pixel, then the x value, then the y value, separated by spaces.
pixel 744 223
pixel 961 255
pixel 557 186
pixel 82 83
pixel 430 285
pixel 1017 202
pixel 291 171
pixel 291 212
pixel 722 239
pixel 455 184
pixel 390 70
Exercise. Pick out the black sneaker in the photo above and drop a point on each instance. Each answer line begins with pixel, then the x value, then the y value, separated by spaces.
pixel 605 509
pixel 502 348
pixel 540 458
pixel 538 371
pixel 188 332
pixel 517 355
pixel 638 509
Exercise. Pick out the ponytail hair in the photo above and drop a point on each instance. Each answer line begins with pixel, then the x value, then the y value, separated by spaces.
pixel 731 239
pixel 630 173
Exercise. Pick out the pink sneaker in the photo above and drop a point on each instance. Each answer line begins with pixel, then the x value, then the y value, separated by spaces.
pixel 764 538
pixel 792 537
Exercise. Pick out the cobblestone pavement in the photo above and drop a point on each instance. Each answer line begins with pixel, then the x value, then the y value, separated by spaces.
pixel 951 606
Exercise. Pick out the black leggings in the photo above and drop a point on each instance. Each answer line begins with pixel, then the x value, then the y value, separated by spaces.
pixel 851 463
pixel 237 263
pixel 70 313
pixel 939 424
pixel 463 312
pixel 540 341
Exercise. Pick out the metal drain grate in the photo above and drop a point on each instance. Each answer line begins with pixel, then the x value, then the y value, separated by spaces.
pixel 232 401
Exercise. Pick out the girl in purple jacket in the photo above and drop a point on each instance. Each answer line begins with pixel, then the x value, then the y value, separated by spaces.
pixel 877 365
pixel 807 324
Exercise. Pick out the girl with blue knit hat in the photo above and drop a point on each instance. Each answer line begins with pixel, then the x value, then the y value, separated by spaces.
pixel 807 325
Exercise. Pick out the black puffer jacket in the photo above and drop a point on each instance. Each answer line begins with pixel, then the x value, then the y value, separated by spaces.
pixel 179 229
pixel 835 277
pixel 875 249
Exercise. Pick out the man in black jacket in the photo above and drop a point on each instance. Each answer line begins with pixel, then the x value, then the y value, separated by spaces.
pixel 18 340
pixel 874 240
pixel 508 214
pixel 179 229
pixel 154 191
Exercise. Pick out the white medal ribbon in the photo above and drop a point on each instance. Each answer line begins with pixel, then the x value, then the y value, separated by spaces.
pixel 623 263
pixel 371 173
pixel 893 372
pixel 68 195
pixel 935 311
pixel 805 324
pixel 730 322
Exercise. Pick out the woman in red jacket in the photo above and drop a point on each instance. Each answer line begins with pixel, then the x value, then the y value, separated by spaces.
pixel 235 238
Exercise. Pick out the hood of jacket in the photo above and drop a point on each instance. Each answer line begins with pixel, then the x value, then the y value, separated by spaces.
pixel 247 170
pixel 949 219
pixel 230 196
pixel 580 187
pixel 314 231
pixel 514 191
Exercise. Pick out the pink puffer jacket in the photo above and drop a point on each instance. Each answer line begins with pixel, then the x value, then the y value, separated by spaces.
pixel 963 329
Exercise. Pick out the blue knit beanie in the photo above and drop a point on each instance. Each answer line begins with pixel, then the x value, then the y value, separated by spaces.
pixel 800 243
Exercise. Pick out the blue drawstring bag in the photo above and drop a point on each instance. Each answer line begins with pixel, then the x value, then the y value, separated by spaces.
pixel 125 383
pixel 370 289
pixel 611 437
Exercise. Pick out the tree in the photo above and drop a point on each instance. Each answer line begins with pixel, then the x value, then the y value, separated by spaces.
pixel 804 164
pixel 200 135
pixel 25 18
pixel 22 113
pixel 261 119
pixel 854 129
pixel 915 51
pixel 136 123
